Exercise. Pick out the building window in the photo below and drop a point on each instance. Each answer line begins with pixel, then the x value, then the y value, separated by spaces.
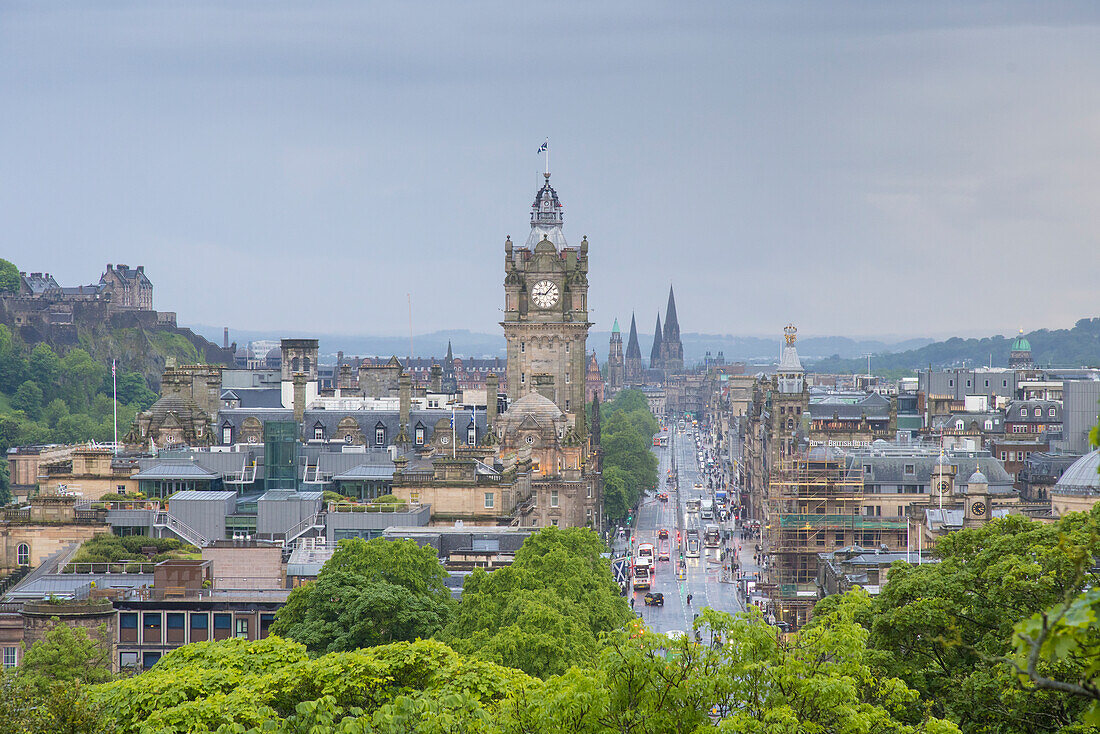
pixel 23 555
pixel 380 436
pixel 522 347
pixel 1023 412
pixel 1038 412
pixel 199 621
pixel 989 425
pixel 9 657
pixel 567 347
pixel 968 383
pixel 523 377
pixel 553 498
pixel 128 620
pixel 959 425
pixel 149 659
pixel 554 522
pixel 1004 456
pixel 490 500
pixel 867 470
pixel 567 404
pixel 242 628
pixel 318 433
pixel 951 383
pixel 419 435
pixel 1051 412
pixel 910 469
pixel 128 659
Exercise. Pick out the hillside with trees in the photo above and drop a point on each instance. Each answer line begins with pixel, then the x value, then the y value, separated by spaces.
pixel 1076 347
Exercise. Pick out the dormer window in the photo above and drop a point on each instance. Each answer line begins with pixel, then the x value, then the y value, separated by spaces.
pixel 419 435
pixel 989 425
pixel 471 435
pixel 227 434
pixel 380 435
pixel 1051 412
pixel 959 425
pixel 1023 412
pixel 318 432
pixel 1038 412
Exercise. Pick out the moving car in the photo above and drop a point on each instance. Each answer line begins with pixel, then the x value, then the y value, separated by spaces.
pixel 662 533
pixel 662 497
pixel 654 599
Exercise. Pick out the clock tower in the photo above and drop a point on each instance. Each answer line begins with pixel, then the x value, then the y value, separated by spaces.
pixel 546 311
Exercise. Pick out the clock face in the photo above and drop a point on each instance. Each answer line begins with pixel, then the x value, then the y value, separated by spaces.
pixel 944 486
pixel 545 293
pixel 445 440
pixel 978 508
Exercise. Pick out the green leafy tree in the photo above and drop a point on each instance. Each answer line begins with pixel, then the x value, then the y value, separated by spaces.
pixel 28 398
pixel 5 482
pixel 616 493
pixel 947 628
pixel 346 611
pixel 369 593
pixel 67 654
pixel 272 685
pixel 547 610
pixel 9 277
pixel 45 369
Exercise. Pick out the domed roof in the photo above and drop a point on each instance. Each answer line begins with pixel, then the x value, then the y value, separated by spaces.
pixel 1081 474
pixel 1021 344
pixel 540 408
pixel 977 478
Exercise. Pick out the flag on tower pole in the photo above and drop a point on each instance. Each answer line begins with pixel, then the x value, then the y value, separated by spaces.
pixel 114 386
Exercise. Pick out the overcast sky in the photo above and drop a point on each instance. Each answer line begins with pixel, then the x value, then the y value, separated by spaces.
pixel 857 168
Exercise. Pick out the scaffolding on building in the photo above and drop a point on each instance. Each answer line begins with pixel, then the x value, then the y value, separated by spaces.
pixel 815 505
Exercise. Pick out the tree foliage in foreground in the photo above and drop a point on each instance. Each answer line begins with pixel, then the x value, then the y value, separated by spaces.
pixel 369 593
pixel 643 683
pixel 547 610
pixel 947 629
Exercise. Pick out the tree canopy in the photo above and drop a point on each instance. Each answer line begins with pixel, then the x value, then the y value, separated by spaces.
pixel 947 629
pixel 547 610
pixel 369 593
pixel 9 277
pixel 629 464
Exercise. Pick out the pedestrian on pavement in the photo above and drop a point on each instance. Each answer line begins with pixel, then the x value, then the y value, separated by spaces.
pixel 631 602
pixel 689 600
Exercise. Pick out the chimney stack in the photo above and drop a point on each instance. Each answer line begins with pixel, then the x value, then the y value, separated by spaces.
pixel 491 401
pixel 404 389
pixel 225 338
pixel 299 396
pixel 436 384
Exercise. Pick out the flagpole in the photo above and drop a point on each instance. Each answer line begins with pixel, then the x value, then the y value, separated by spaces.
pixel 548 156
pixel 114 386
pixel 454 436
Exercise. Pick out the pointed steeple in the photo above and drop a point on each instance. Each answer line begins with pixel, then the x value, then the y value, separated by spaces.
pixel 615 328
pixel 672 324
pixel 655 360
pixel 633 351
pixel 450 380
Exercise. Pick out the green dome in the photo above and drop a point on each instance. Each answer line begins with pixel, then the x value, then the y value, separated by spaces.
pixel 1021 344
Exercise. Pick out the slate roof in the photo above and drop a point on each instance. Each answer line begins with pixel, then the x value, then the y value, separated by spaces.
pixel 255 397
pixel 367 420
pixel 1082 476
pixel 1012 413
pixel 367 471
pixel 941 422
pixel 176 471
pixel 891 470
pixel 873 405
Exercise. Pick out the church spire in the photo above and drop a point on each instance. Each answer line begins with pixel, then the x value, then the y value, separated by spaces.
pixel 632 348
pixel 655 361
pixel 672 324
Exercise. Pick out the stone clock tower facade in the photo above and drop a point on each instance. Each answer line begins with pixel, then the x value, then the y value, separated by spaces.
pixel 546 311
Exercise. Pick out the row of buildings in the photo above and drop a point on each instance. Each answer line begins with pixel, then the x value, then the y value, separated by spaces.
pixel 843 475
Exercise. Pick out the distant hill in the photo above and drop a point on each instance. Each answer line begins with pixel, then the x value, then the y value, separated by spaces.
pixel 1076 347
pixel 471 343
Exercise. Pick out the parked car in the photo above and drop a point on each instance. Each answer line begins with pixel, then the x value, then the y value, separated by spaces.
pixel 654 599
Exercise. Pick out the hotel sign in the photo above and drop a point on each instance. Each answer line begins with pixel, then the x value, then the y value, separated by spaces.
pixel 842 444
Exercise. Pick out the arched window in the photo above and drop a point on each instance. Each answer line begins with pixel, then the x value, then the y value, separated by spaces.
pixel 305 364
pixel 23 555
pixel 294 364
